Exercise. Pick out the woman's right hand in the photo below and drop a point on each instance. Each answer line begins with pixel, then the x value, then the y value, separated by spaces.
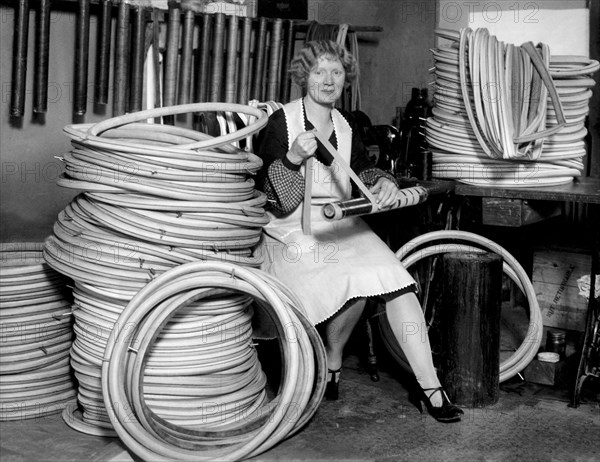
pixel 303 147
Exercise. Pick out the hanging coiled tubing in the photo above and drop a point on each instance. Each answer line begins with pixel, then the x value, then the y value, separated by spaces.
pixel 505 114
pixel 157 197
pixel 35 335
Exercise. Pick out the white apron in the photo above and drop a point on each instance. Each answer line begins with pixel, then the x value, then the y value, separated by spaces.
pixel 340 260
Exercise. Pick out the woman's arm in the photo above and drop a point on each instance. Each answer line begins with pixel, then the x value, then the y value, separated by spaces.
pixel 279 178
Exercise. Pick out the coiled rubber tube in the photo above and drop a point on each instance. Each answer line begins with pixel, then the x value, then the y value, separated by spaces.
pixel 413 251
pixel 35 335
pixel 151 437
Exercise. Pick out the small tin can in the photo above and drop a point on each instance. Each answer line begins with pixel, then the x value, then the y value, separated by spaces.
pixel 556 342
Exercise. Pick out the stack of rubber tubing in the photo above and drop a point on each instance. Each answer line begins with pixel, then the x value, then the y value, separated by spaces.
pixel 241 423
pixel 35 335
pixel 507 115
pixel 156 197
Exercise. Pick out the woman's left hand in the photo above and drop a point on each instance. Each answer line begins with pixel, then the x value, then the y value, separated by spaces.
pixel 385 192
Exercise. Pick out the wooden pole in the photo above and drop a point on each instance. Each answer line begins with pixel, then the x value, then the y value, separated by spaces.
pixel 470 327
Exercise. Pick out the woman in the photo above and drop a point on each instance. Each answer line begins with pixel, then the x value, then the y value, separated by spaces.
pixel 334 266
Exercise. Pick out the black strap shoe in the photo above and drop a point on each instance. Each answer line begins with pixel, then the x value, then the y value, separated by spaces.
pixel 447 412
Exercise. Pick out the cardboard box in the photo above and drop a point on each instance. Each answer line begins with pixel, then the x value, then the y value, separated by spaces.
pixel 554 279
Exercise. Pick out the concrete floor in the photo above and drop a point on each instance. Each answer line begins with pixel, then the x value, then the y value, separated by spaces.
pixel 374 421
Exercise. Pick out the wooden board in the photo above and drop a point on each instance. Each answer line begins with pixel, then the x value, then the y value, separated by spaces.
pixel 555 275
pixel 584 190
pixel 500 211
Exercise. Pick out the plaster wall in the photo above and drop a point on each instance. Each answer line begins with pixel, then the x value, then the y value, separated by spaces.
pixel 391 61
pixel 564 26
pixel 29 197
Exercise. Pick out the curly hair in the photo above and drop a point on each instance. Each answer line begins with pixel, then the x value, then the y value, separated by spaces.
pixel 308 58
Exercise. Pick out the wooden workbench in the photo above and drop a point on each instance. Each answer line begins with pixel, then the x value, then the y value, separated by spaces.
pixel 582 190
pixel 504 206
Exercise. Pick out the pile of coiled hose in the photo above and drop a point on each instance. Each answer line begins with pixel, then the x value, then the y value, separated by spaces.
pixel 157 197
pixel 35 335
pixel 506 115
pixel 446 241
pixel 242 422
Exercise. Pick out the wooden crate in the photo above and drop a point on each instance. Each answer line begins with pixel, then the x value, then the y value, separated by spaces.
pixel 555 275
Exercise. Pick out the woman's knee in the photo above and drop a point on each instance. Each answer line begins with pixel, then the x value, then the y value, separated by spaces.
pixel 408 298
pixel 347 317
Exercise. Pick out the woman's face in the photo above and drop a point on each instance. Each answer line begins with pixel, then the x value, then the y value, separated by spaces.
pixel 326 80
